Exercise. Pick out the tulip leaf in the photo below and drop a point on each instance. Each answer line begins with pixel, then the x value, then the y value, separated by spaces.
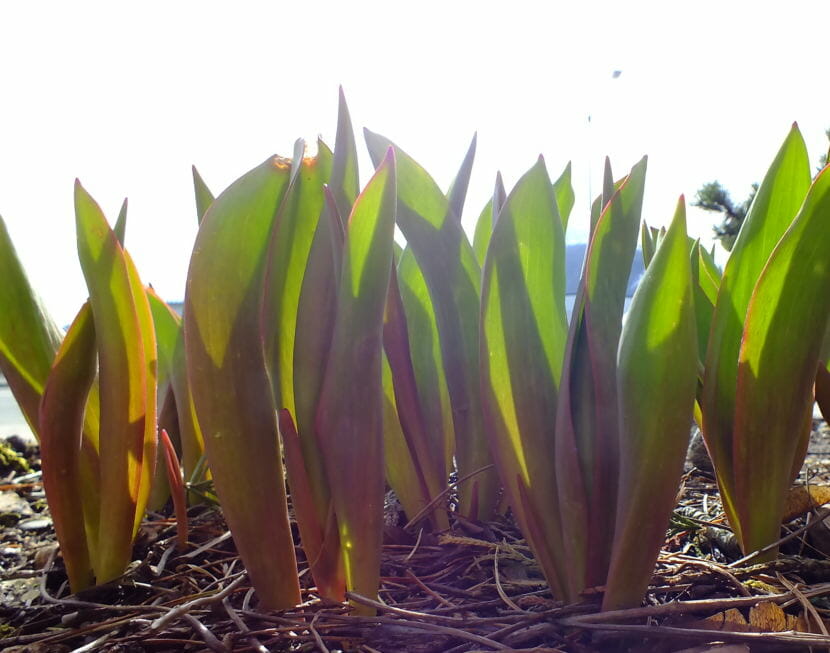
pixel 524 330
pixel 61 423
pixel 587 447
pixel 773 209
pixel 484 225
pixel 316 311
pixel 427 364
pixel 350 414
pixel 120 227
pixel 167 325
pixel 656 380
pixel 564 193
pixel 231 390
pixel 457 192
pixel 783 335
pixel 345 181
pixel 29 338
pixel 453 276
pixel 204 198
pixel 127 365
pixel 422 451
pixel 290 245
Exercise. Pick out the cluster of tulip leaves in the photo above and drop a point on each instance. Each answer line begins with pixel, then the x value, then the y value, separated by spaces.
pixel 317 359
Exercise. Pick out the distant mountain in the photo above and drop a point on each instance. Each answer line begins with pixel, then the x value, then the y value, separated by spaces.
pixel 574 257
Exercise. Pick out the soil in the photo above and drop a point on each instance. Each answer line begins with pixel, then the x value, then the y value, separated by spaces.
pixel 475 588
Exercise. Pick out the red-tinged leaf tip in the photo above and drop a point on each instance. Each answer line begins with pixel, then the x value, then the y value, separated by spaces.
pixel 390 156
pixel 682 199
pixel 541 159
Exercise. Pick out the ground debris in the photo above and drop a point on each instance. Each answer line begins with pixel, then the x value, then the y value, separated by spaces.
pixel 474 588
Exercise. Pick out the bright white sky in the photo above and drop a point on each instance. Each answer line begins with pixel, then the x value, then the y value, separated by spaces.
pixel 127 96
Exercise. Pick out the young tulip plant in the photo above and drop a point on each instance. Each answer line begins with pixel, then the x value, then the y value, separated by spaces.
pixel 284 312
pixel 576 413
pixel 765 345
pixel 91 399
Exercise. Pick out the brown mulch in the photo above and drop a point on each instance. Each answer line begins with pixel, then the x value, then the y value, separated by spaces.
pixel 475 588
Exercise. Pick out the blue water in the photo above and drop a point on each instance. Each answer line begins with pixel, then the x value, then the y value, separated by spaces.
pixel 12 421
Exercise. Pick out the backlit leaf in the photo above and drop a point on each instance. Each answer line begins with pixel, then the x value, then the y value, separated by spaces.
pixel 453 277
pixel 783 335
pixel 656 380
pixel 524 329
pixel 350 413
pixel 773 209
pixel 226 369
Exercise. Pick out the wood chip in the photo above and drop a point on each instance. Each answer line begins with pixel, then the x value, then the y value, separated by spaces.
pixel 768 617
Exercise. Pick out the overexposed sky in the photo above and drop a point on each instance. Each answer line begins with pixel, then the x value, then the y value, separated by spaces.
pixel 126 96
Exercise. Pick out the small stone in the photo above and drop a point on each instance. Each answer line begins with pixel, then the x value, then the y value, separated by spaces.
pixel 35 524
pixel 11 502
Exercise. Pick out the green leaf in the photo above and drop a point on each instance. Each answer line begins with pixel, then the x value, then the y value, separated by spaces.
pixel 417 466
pixel 776 203
pixel 315 316
pixel 648 243
pixel 61 423
pixel 484 226
pixel 453 277
pixel 524 330
pixel 127 371
pixel 656 378
pixel 345 180
pixel 457 192
pixel 350 414
pixel 29 338
pixel 427 364
pixel 230 388
pixel 320 539
pixel 705 296
pixel 294 231
pixel 780 350
pixel 587 448
pixel 167 325
pixel 120 228
pixel 204 198
pixel 400 464
pixel 565 197
pixel 316 311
